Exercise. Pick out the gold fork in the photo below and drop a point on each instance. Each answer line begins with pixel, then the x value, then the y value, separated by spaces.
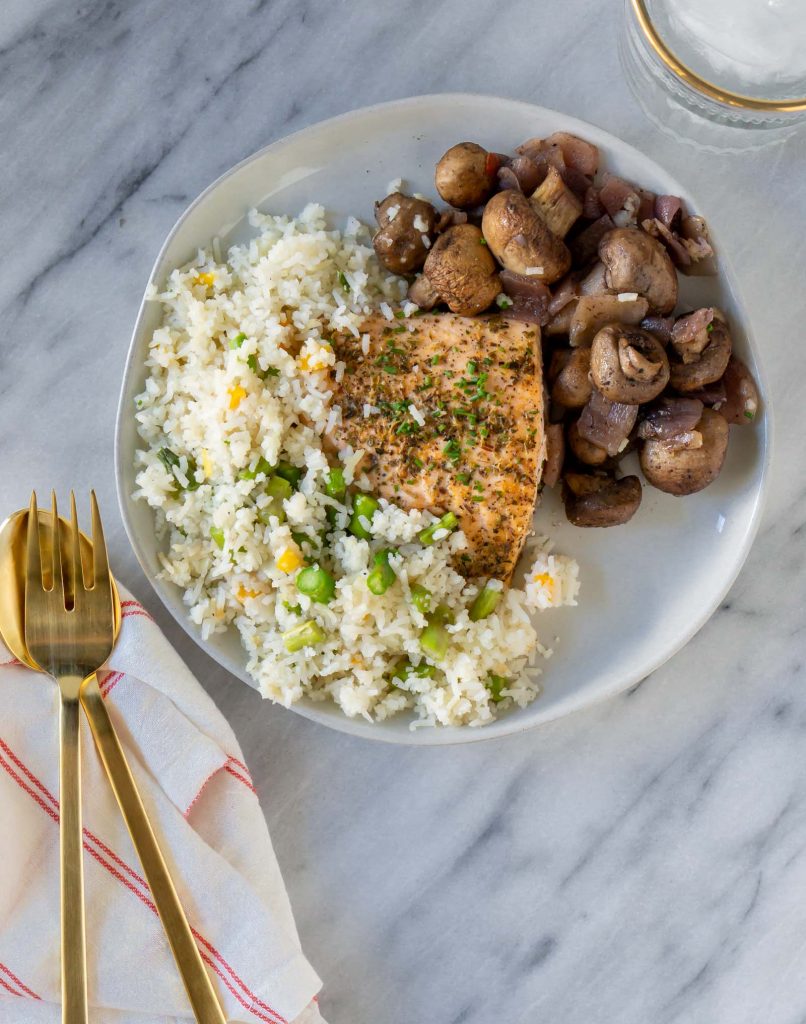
pixel 69 632
pixel 200 991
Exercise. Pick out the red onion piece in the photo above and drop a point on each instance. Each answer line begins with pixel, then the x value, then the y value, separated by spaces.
pixel 580 155
pixel 616 194
pixel 530 298
pixel 508 179
pixel 742 399
pixel 525 286
pixel 647 206
pixel 660 326
pixel 449 217
pixel 687 328
pixel 528 311
pixel 713 395
pixel 607 424
pixel 565 291
pixel 668 210
pixel 592 207
pixel 670 417
pixel 528 173
pixel 677 250
pixel 585 246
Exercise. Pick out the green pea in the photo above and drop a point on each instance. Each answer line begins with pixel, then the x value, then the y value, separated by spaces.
pixel 485 603
pixel 317 584
pixel 495 684
pixel 382 576
pixel 287 471
pixel 447 522
pixel 421 598
pixel 218 536
pixel 262 466
pixel 237 341
pixel 364 506
pixel 335 487
pixel 306 634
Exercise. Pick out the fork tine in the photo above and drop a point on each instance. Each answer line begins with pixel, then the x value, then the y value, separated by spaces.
pixel 33 558
pixel 56 553
pixel 75 551
pixel 100 562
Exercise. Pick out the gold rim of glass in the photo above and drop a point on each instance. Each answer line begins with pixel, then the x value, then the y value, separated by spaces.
pixel 702 85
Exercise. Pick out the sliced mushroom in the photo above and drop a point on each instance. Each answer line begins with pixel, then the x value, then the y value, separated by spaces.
pixel 466 175
pixel 572 387
pixel 741 394
pixel 594 499
pixel 557 204
pixel 593 312
pixel 406 231
pixel 685 470
pixel 555 454
pixel 460 271
pixel 702 345
pixel 590 454
pixel 560 323
pixel 636 262
pixel 521 240
pixel 628 365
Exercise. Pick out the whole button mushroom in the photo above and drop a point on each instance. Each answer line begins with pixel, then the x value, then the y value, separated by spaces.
pixel 458 271
pixel 636 262
pixel 595 499
pixel 702 344
pixel 628 364
pixel 466 175
pixel 406 231
pixel 686 468
pixel 521 240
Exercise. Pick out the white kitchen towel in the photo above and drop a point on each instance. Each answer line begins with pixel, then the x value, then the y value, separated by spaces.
pixel 204 809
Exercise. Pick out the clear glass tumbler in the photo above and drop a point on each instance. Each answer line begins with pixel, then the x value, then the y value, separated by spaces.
pixel 723 74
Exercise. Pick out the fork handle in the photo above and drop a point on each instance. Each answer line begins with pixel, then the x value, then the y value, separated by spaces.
pixel 74 966
pixel 198 986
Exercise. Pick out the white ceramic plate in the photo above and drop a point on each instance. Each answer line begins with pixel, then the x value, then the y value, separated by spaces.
pixel 646 587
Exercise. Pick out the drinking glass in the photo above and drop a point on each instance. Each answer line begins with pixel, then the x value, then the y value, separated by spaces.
pixel 723 74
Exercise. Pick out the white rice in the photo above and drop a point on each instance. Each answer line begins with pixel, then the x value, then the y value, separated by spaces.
pixel 274 303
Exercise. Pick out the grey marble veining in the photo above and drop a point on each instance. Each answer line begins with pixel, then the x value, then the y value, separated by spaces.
pixel 642 861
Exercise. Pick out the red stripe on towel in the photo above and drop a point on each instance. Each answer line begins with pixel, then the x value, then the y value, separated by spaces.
pixel 18 983
pixel 135 883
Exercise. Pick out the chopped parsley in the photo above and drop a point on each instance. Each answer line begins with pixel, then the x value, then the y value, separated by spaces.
pixel 343 281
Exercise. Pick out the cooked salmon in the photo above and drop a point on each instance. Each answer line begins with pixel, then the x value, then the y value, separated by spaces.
pixel 449 411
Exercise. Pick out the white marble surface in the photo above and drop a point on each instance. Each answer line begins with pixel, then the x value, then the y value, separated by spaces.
pixel 642 861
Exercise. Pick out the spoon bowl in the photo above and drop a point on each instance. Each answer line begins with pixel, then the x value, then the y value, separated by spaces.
pixel 13 534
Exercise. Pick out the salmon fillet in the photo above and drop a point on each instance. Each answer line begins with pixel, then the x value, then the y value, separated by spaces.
pixel 449 411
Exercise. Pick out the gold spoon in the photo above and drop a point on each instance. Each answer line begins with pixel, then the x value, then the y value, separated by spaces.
pixel 13 537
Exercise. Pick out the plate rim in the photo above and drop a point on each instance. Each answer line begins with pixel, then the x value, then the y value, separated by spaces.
pixel 511 724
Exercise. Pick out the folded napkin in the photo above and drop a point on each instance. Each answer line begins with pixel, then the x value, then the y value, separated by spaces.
pixel 204 809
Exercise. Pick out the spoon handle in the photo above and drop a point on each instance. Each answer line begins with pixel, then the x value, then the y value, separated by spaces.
pixel 198 986
pixel 73 944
